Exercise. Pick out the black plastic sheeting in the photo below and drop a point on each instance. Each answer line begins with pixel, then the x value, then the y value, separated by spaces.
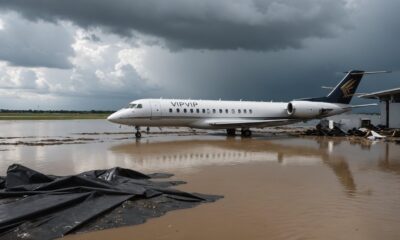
pixel 38 206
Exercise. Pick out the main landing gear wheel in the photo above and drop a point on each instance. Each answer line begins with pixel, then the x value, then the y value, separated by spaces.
pixel 231 132
pixel 246 133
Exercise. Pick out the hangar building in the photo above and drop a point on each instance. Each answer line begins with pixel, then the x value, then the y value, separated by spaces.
pixel 389 106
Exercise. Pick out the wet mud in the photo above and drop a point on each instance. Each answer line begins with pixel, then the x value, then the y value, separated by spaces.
pixel 276 185
pixel 45 141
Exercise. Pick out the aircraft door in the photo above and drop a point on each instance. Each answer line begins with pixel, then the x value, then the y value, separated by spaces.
pixel 156 109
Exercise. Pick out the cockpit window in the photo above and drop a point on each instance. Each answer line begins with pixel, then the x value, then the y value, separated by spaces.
pixel 135 105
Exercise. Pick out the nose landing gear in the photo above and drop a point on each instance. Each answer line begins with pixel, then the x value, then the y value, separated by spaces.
pixel 138 134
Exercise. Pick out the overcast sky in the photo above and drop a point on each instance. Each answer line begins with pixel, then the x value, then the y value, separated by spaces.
pixel 101 54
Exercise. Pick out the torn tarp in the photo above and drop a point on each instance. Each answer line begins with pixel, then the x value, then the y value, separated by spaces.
pixel 38 206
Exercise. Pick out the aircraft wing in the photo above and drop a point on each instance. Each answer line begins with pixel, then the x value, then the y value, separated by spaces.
pixel 248 122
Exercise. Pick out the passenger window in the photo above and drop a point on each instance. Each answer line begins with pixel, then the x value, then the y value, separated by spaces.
pixel 204 111
pixel 178 110
pixel 197 110
pixel 214 111
pixel 184 110
pixel 139 106
pixel 250 111
pixel 245 110
pixel 226 111
pixel 191 110
pixel 239 111
pixel 170 110
pixel 220 111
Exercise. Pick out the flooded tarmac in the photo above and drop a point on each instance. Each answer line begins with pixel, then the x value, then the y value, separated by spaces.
pixel 275 186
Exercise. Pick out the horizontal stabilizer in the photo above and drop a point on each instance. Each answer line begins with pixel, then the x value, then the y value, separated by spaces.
pixel 326 87
pixel 362 105
pixel 371 72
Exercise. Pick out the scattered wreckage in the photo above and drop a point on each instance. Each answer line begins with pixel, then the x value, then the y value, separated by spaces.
pixel 371 132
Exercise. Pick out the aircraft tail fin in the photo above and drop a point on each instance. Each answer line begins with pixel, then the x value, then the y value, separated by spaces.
pixel 345 90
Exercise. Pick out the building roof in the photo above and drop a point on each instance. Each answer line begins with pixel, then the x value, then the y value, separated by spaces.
pixel 385 94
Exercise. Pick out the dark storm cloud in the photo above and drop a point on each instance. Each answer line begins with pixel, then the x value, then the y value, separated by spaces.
pixel 291 72
pixel 206 24
pixel 34 44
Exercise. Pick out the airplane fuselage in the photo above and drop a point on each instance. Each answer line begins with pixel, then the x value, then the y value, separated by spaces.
pixel 216 114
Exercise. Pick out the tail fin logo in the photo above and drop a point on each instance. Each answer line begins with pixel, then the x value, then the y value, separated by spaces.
pixel 347 88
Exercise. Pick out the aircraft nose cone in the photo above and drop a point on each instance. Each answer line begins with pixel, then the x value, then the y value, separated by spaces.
pixel 113 118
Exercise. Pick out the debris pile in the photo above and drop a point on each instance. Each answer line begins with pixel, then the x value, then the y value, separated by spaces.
pixel 322 131
pixel 335 130
pixel 38 206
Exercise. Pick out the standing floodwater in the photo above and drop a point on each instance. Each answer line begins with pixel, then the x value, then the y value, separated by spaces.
pixel 275 187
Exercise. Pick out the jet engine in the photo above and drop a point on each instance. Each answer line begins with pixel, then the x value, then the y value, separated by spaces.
pixel 308 109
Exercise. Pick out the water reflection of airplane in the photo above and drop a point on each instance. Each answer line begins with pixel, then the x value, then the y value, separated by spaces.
pixel 390 158
pixel 196 153
pixel 387 153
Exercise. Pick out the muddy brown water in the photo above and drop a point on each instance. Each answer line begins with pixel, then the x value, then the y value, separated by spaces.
pixel 274 187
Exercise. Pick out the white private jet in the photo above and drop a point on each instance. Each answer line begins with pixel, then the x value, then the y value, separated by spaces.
pixel 230 115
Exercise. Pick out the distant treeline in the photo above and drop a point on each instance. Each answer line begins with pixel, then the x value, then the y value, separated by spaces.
pixel 55 111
